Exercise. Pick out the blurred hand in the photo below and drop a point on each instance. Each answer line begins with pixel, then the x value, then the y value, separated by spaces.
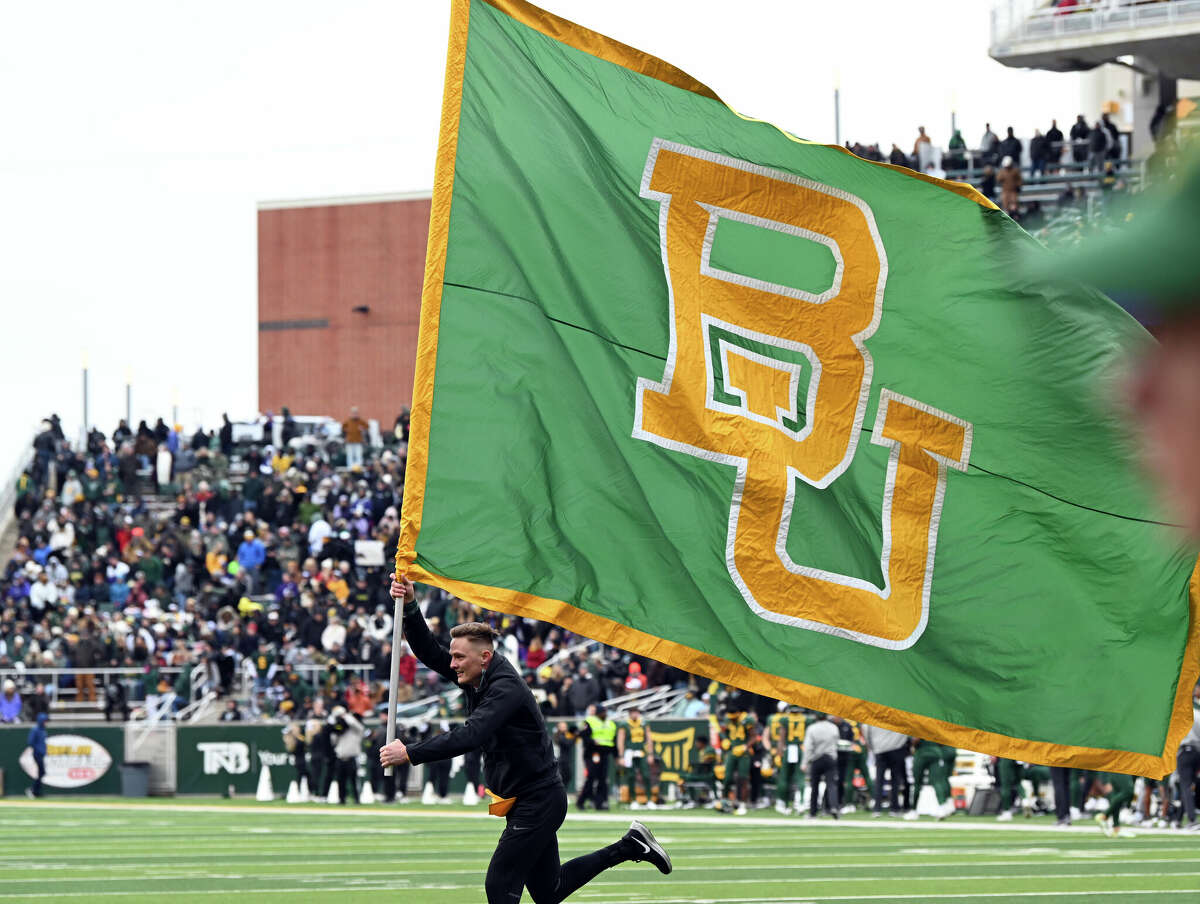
pixel 394 754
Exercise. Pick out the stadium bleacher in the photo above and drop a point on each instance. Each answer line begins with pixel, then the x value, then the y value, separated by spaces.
pixel 1064 179
pixel 243 551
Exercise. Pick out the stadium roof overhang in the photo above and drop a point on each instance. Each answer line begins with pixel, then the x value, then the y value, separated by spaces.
pixel 1171 50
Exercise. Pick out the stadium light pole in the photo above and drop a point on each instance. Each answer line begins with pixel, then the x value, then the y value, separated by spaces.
pixel 85 397
pixel 128 398
pixel 837 107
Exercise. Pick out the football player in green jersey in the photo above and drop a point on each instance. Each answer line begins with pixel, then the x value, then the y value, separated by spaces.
pixel 737 730
pixel 635 752
pixel 785 731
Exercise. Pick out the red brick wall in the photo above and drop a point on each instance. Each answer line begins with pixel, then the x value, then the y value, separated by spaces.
pixel 315 264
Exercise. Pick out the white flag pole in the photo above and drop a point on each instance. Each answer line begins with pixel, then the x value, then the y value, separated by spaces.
pixel 394 680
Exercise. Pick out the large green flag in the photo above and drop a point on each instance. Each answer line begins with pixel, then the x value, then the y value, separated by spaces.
pixel 778 416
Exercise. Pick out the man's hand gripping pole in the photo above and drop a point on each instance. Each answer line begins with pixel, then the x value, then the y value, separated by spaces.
pixel 402 592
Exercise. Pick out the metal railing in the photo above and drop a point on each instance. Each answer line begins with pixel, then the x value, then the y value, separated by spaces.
pixel 653 702
pixel 419 710
pixel 1065 170
pixel 1014 21
pixel 568 652
pixel 198 709
pixel 66 694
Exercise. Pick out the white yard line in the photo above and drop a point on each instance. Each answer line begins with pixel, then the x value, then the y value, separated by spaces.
pixel 673 817
pixel 680 864
pixel 603 880
pixel 759 899
pixel 304 890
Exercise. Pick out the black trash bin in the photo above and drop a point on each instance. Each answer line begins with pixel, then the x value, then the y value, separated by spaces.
pixel 135 779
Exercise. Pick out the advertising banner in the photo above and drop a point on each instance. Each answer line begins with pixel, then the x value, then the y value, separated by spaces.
pixel 211 758
pixel 79 759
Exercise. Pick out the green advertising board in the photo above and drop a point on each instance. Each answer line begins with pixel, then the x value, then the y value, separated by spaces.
pixel 80 759
pixel 212 758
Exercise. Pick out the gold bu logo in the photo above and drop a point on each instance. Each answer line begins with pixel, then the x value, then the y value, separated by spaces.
pixel 732 392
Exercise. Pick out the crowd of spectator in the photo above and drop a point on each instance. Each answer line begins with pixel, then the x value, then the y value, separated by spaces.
pixel 156 552
pixel 1003 167
pixel 1088 146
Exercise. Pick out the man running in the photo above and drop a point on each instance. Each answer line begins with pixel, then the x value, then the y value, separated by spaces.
pixel 504 720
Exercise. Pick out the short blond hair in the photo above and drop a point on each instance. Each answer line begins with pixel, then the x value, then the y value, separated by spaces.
pixel 477 632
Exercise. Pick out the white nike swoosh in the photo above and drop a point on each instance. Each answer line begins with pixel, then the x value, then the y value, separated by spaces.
pixel 645 847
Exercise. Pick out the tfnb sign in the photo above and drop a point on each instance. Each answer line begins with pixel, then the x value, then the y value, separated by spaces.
pixel 231 756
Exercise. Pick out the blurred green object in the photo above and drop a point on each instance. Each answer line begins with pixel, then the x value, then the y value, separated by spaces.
pixel 1149 254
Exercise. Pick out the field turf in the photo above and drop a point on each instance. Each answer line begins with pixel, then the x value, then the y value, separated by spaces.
pixel 197 850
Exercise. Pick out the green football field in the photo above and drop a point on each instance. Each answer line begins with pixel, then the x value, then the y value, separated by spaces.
pixel 132 851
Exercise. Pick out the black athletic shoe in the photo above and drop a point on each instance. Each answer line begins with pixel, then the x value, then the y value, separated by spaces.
pixel 641 839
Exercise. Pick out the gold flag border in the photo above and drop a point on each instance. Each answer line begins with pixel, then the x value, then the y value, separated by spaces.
pixel 619 635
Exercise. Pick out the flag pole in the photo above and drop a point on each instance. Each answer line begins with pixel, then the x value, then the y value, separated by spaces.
pixel 394 679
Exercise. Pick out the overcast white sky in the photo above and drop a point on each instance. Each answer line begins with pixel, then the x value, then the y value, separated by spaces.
pixel 138 137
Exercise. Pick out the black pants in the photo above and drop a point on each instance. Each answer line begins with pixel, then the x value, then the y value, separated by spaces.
pixel 1060 778
pixel 526 855
pixel 383 785
pixel 756 781
pixel 473 767
pixel 322 775
pixel 1185 768
pixel 439 774
pixel 566 764
pixel 823 767
pixel 301 767
pixel 595 788
pixel 843 763
pixel 892 762
pixel 1086 778
pixel 347 778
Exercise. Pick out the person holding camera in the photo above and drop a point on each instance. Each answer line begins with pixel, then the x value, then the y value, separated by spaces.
pixel 320 750
pixel 347 734
pixel 520 772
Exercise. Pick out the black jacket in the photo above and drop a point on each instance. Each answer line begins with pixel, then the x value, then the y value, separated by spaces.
pixel 1037 148
pixel 1011 147
pixel 503 720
